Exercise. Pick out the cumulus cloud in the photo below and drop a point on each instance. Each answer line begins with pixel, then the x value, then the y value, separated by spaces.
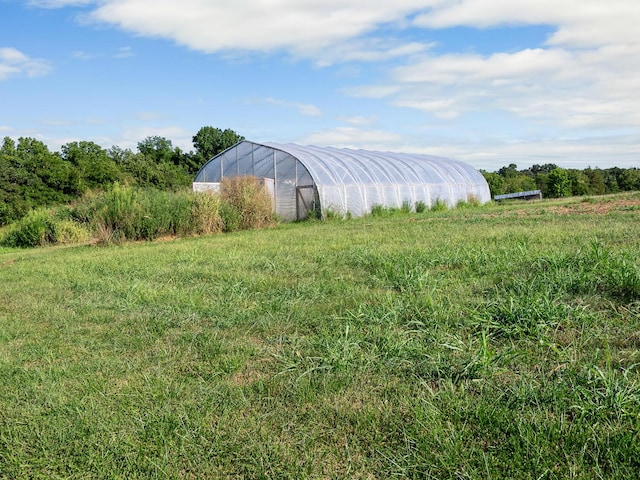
pixel 301 27
pixel 15 63
pixel 580 23
pixel 585 75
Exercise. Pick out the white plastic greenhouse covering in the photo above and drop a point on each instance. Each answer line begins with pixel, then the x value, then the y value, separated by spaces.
pixel 304 179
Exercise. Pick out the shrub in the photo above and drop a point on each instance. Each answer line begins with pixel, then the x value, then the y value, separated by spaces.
pixel 251 200
pixel 473 201
pixel 69 232
pixel 438 205
pixel 33 230
pixel 334 213
pixel 420 206
pixel 42 227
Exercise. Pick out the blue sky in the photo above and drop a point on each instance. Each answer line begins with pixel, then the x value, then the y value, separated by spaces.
pixel 489 82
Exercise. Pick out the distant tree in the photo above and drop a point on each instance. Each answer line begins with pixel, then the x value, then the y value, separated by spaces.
pixel 519 183
pixel 546 168
pixel 7 187
pixel 542 183
pixel 510 171
pixel 630 179
pixel 495 181
pixel 596 181
pixel 210 141
pixel 558 183
pixel 94 168
pixel 157 149
pixel 160 150
pixel 611 179
pixel 579 182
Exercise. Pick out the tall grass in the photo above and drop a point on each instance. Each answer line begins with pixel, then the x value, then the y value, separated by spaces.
pixel 248 202
pixel 125 213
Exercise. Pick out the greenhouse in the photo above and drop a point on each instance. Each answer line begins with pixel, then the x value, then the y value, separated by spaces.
pixel 309 180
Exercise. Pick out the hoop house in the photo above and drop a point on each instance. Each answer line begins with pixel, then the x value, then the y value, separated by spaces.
pixel 306 179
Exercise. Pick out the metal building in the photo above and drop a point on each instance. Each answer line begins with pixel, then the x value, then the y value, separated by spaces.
pixel 305 179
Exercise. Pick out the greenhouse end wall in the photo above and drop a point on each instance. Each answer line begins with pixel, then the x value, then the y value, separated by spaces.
pixel 320 179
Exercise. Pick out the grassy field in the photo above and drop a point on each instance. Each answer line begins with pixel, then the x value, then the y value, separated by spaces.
pixel 493 342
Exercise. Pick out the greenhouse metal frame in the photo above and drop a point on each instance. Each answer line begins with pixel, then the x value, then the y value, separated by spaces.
pixel 310 180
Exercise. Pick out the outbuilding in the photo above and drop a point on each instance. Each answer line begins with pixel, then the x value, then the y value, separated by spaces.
pixel 306 180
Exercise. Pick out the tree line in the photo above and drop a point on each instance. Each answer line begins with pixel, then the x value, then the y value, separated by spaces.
pixel 557 182
pixel 32 176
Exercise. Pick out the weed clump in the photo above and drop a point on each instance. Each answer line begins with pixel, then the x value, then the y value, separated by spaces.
pixel 247 203
pixel 438 205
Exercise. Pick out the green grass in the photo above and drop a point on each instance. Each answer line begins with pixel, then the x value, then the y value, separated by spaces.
pixel 493 342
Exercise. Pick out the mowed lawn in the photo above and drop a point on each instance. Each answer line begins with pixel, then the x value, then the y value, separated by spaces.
pixel 493 342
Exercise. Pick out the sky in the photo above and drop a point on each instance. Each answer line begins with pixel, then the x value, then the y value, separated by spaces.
pixel 488 82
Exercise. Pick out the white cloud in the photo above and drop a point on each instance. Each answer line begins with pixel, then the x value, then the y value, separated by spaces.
pixel 124 52
pixel 82 55
pixel 580 23
pixel 359 120
pixel 586 76
pixel 15 63
pixel 352 137
pixel 304 28
pixel 59 3
pixel 302 108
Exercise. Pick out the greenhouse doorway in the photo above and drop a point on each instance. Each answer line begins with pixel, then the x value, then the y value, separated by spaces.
pixel 306 202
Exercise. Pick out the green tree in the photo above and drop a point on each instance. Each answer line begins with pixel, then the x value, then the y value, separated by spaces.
pixel 596 181
pixel 158 149
pixel 558 183
pixel 612 179
pixel 495 181
pixel 538 169
pixel 94 168
pixel 519 183
pixel 579 182
pixel 210 141
pixel 630 179
pixel 542 182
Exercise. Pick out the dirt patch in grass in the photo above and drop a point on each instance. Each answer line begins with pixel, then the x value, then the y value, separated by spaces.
pixel 585 207
pixel 598 208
